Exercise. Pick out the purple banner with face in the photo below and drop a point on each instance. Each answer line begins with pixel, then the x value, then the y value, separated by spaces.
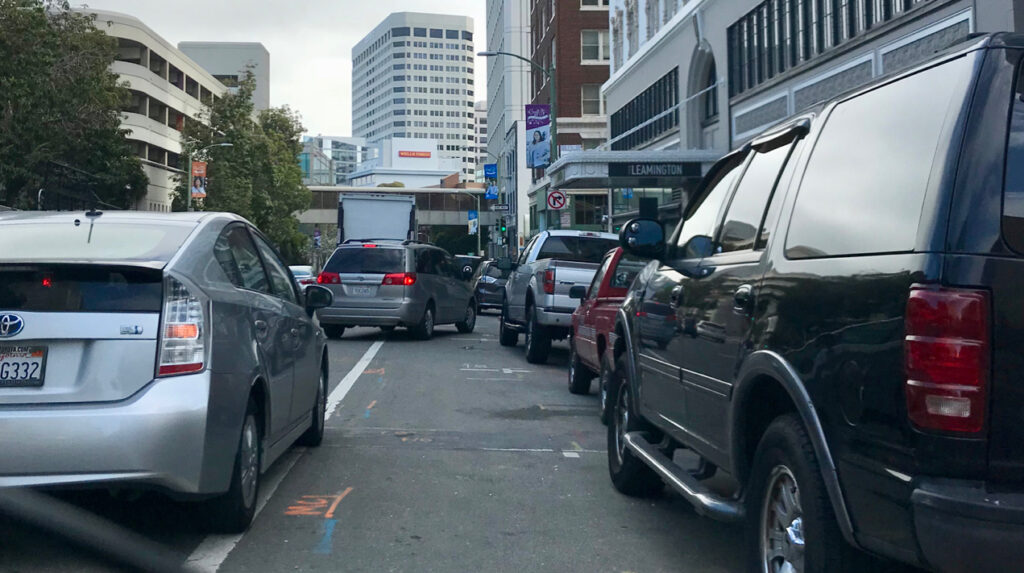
pixel 538 136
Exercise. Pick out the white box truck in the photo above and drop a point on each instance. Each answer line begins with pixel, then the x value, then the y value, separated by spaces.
pixel 365 216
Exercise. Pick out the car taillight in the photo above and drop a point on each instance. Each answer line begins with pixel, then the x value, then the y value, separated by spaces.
pixel 400 279
pixel 182 336
pixel 326 278
pixel 549 281
pixel 946 357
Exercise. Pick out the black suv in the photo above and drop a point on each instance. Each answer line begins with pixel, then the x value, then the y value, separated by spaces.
pixel 847 293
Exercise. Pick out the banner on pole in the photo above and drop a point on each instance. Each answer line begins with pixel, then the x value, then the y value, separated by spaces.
pixel 198 179
pixel 538 136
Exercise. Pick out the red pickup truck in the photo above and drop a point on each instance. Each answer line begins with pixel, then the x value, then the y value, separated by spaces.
pixel 595 319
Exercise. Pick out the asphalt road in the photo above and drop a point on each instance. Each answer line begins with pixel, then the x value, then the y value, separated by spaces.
pixel 453 454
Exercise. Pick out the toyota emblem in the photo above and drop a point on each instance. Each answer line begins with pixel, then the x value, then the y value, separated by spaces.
pixel 10 325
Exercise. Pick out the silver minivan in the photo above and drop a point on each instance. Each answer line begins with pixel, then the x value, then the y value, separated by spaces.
pixel 168 351
pixel 389 284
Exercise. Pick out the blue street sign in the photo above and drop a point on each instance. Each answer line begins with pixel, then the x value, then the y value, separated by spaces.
pixel 490 170
pixel 492 192
pixel 627 193
pixel 473 215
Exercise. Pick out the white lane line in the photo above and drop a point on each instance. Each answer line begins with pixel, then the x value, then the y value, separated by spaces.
pixel 571 454
pixel 542 450
pixel 214 549
pixel 336 396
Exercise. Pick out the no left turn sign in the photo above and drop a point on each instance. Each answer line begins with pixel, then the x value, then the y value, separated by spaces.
pixel 556 200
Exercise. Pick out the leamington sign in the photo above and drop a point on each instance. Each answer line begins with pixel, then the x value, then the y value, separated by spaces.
pixel 654 169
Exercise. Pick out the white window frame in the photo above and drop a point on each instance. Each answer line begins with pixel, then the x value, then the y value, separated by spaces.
pixel 600 100
pixel 597 5
pixel 604 47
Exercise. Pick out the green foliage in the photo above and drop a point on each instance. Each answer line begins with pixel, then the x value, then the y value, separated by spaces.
pixel 60 104
pixel 394 184
pixel 455 240
pixel 258 177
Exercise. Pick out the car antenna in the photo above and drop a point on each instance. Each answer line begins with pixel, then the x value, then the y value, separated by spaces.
pixel 92 215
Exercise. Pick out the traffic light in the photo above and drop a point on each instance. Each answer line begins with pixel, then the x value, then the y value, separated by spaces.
pixel 504 227
pixel 617 228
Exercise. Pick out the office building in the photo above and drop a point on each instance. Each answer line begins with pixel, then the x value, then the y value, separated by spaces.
pixel 228 62
pixel 413 77
pixel 406 162
pixel 508 92
pixel 346 153
pixel 572 37
pixel 168 89
pixel 479 147
pixel 317 167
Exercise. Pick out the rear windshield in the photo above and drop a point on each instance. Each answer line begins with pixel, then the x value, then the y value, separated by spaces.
pixel 80 288
pixel 101 241
pixel 367 260
pixel 578 249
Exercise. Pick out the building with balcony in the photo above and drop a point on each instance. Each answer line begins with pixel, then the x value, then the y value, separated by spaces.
pixel 413 77
pixel 228 62
pixel 168 90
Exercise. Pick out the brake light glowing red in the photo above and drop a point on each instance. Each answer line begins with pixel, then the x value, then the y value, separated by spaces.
pixel 369 246
pixel 947 358
pixel 549 281
pixel 47 282
pixel 326 278
pixel 400 279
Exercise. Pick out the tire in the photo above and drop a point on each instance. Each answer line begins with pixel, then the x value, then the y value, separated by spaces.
pixel 506 336
pixel 334 331
pixel 579 376
pixel 233 511
pixel 785 461
pixel 467 325
pixel 314 436
pixel 425 329
pixel 608 379
pixel 630 476
pixel 538 341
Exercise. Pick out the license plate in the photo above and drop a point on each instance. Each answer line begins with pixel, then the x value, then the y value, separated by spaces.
pixel 22 366
pixel 362 291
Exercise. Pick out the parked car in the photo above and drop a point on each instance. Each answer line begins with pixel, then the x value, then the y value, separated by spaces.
pixel 490 282
pixel 387 284
pixel 303 275
pixel 594 321
pixel 537 301
pixel 853 281
pixel 183 359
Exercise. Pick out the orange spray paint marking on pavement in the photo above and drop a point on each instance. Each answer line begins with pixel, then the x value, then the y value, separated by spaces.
pixel 317 505
pixel 376 371
pixel 339 497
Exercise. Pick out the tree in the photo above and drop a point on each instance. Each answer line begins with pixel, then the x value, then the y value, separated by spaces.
pixel 60 108
pixel 258 177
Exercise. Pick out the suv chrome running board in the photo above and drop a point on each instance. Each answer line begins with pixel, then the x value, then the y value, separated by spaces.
pixel 703 500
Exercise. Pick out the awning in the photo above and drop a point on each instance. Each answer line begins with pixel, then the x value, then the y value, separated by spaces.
pixel 596 169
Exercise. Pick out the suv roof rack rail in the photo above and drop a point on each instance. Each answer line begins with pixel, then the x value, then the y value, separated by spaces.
pixel 415 242
pixel 356 241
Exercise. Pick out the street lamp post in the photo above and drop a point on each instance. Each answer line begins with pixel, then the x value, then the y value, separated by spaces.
pixel 549 73
pixel 188 194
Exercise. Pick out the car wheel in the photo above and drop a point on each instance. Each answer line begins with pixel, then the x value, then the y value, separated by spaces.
pixel 791 525
pixel 538 342
pixel 506 336
pixel 579 376
pixel 233 511
pixel 467 325
pixel 334 331
pixel 314 436
pixel 629 475
pixel 425 329
pixel 609 378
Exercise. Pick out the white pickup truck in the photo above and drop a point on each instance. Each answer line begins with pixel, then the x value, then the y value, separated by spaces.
pixel 537 301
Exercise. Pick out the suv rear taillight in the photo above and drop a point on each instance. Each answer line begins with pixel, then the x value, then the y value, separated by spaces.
pixel 549 281
pixel 182 334
pixel 946 355
pixel 400 279
pixel 326 278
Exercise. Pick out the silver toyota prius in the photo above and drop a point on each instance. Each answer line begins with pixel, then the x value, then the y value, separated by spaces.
pixel 168 351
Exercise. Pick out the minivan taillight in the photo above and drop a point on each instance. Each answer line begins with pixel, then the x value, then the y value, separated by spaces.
pixel 549 281
pixel 182 333
pixel 946 357
pixel 326 278
pixel 400 279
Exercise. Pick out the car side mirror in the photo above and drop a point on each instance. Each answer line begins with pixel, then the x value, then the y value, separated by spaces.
pixel 643 238
pixel 578 292
pixel 318 297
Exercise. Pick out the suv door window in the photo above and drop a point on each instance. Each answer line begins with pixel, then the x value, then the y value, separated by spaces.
pixel 1013 194
pixel 697 229
pixel 281 284
pixel 865 185
pixel 748 206
pixel 237 255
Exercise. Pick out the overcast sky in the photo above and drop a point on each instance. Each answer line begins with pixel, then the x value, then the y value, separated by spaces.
pixel 310 42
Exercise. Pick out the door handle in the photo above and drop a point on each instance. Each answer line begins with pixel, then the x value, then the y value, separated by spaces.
pixel 677 296
pixel 743 297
